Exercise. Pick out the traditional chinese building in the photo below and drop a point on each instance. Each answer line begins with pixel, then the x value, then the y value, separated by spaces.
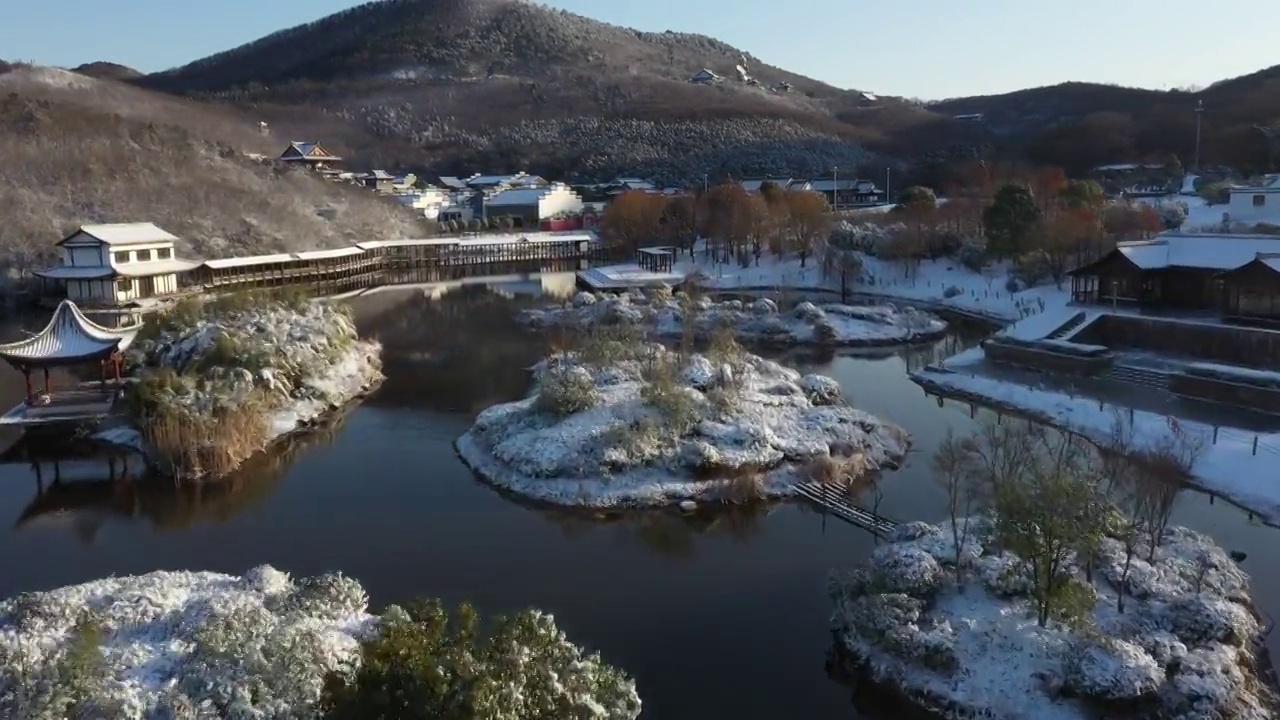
pixel 69 339
pixel 115 264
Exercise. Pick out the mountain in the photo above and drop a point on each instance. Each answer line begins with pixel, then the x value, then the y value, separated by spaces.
pixel 107 71
pixel 76 149
pixel 1080 125
pixel 504 84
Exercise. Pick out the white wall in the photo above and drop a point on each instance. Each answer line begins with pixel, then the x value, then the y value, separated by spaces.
pixel 559 199
pixel 1242 209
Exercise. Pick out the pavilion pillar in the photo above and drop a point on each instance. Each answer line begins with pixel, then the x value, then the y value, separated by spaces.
pixel 46 380
pixel 26 377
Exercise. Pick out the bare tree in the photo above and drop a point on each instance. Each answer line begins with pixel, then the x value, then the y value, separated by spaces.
pixel 1166 465
pixel 951 463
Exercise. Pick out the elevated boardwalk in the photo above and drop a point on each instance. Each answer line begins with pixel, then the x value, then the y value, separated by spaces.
pixel 834 499
pixel 375 257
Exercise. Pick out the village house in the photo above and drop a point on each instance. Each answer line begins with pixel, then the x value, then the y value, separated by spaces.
pixel 754 184
pixel 495 182
pixel 529 207
pixel 1234 276
pixel 846 193
pixel 379 181
pixel 116 264
pixel 310 154
pixel 705 77
pixel 1255 203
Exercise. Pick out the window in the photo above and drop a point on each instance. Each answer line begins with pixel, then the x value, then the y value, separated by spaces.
pixel 1259 200
pixel 164 254
pixel 121 257
pixel 144 255
pixel 124 285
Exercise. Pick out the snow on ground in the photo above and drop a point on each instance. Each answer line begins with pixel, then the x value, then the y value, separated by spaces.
pixel 647 428
pixel 1228 467
pixel 934 284
pixel 804 323
pixel 174 642
pixel 303 359
pixel 1182 648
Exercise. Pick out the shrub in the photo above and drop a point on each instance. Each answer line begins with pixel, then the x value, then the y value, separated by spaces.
pixel 972 255
pixel 952 291
pixel 1105 668
pixel 425 665
pixel 678 404
pixel 566 390
pixel 825 333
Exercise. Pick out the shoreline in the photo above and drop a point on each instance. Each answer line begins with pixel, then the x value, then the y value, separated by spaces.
pixel 936 388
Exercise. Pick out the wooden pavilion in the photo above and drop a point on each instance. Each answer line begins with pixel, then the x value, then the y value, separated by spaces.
pixel 1251 292
pixel 69 339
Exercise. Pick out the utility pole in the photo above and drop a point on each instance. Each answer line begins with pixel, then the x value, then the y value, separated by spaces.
pixel 835 188
pixel 1199 114
pixel 886 184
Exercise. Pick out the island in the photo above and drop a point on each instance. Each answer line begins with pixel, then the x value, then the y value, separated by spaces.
pixel 213 381
pixel 1183 642
pixel 666 314
pixel 617 421
pixel 264 645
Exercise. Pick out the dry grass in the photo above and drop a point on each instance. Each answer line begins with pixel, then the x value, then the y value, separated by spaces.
pixel 744 486
pixel 840 470
pixel 77 150
pixel 194 446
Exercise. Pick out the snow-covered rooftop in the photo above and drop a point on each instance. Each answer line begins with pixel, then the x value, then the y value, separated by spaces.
pixel 327 254
pixel 1202 251
pixel 69 336
pixel 246 261
pixel 125 233
pixel 519 196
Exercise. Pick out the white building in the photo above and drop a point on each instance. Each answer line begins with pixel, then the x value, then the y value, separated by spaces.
pixel 430 201
pixel 528 207
pixel 117 264
pixel 1256 204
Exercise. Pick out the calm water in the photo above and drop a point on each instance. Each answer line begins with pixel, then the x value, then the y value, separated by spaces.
pixel 715 616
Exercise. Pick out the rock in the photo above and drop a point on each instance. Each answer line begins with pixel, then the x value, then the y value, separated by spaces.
pixel 584 299
pixel 688 506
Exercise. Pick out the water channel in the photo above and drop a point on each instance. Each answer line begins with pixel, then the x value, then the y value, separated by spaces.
pixel 716 615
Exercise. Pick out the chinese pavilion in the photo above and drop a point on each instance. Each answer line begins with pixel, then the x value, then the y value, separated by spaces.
pixel 69 339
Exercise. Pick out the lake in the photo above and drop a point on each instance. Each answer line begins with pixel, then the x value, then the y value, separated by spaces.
pixel 715 615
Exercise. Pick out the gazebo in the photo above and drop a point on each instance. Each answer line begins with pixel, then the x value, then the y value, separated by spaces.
pixel 69 339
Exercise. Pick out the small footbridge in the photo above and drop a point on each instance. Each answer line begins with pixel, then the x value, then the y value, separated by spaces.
pixel 834 499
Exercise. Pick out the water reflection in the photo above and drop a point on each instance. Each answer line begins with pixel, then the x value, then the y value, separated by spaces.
pixel 83 486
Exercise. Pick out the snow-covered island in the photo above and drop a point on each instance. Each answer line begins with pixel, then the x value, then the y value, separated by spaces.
pixel 206 645
pixel 626 423
pixel 1186 646
pixel 668 315
pixel 212 382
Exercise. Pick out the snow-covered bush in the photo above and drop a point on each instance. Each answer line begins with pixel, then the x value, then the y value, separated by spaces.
pixel 972 255
pixel 204 645
pixel 424 665
pixel 1199 618
pixel 213 382
pixel 1110 669
pixel 952 291
pixel 1173 213
pixel 906 569
pixel 566 390
pixel 759 320
pixel 808 312
pixel 821 390
pixel 866 238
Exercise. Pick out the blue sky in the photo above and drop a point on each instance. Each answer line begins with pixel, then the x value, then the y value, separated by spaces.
pixel 918 48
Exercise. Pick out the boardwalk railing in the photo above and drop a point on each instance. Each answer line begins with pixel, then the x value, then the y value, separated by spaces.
pixel 834 499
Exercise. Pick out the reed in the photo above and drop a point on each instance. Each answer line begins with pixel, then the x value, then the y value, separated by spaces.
pixel 187 445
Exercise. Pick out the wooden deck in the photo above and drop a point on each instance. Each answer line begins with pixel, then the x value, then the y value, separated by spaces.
pixel 65 406
pixel 834 499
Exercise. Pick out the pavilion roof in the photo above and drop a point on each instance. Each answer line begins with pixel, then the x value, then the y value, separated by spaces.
pixel 70 337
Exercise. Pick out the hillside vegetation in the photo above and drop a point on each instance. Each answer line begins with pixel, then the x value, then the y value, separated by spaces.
pixel 1081 125
pixel 507 84
pixel 81 150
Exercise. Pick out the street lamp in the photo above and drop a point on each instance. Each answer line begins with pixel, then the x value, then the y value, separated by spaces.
pixel 1199 114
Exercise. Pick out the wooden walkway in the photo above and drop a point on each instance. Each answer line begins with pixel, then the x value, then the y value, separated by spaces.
pixel 834 499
